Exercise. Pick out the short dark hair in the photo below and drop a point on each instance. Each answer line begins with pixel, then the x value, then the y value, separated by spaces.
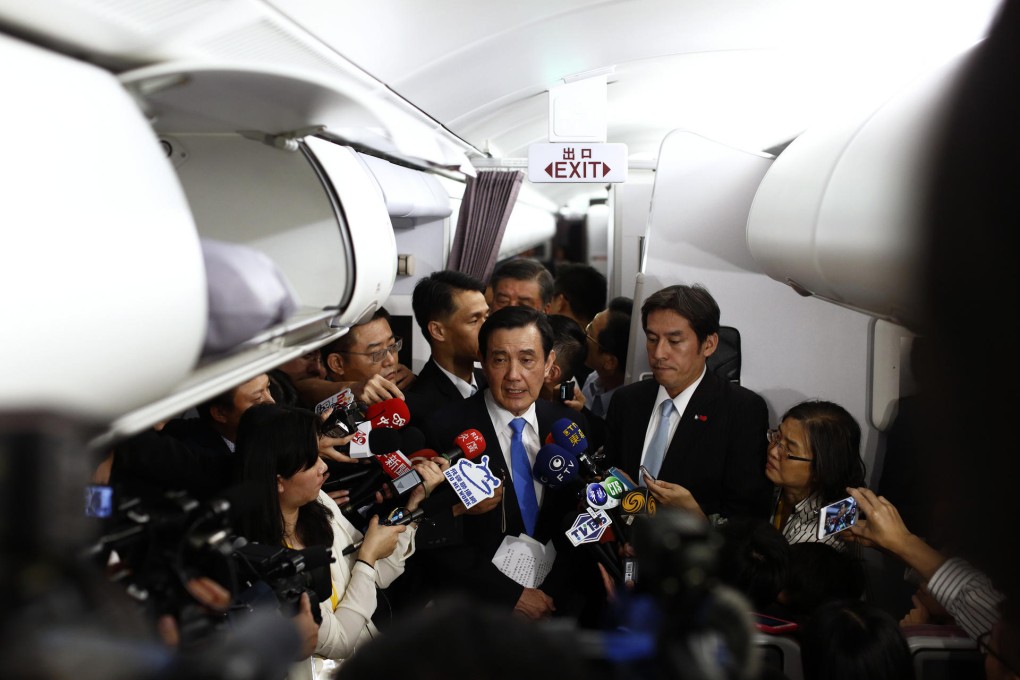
pixel 515 317
pixel 693 303
pixel 819 573
pixel 621 303
pixel 493 644
pixel 432 298
pixel 835 440
pixel 754 559
pixel 584 287
pixel 224 400
pixel 570 344
pixel 344 343
pixel 854 639
pixel 615 337
pixel 525 269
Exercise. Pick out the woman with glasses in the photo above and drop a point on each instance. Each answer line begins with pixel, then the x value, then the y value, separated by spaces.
pixel 813 456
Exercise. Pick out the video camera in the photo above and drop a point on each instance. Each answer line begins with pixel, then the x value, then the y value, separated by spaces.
pixel 287 573
pixel 161 544
pixel 679 620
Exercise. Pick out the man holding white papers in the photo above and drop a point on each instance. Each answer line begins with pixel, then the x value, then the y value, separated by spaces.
pixel 516 346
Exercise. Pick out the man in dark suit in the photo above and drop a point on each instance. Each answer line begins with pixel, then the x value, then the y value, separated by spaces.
pixel 516 344
pixel 449 307
pixel 699 434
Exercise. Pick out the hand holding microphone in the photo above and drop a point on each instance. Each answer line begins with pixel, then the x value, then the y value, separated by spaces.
pixel 397 517
pixel 380 541
pixel 431 477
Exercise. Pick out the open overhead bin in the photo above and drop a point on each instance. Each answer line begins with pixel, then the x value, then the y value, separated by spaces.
pixel 170 206
pixel 240 143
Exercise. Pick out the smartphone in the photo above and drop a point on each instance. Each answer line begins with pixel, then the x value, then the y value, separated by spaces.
pixel 98 500
pixel 837 517
pixel 645 473
pixel 771 624
pixel 566 391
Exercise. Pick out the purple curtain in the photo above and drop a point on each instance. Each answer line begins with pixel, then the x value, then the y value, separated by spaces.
pixel 484 212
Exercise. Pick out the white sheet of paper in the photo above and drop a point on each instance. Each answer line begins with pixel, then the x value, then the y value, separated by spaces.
pixel 525 560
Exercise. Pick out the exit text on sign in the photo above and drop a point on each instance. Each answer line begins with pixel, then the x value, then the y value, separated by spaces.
pixel 577 162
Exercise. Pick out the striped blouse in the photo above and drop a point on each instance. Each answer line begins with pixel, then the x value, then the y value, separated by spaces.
pixel 802 525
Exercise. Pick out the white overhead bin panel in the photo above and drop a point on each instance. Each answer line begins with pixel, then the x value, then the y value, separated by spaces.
pixel 238 141
pixel 249 34
pixel 104 292
pixel 411 195
pixel 837 216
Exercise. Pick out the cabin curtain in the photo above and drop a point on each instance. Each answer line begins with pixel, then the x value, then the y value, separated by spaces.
pixel 484 213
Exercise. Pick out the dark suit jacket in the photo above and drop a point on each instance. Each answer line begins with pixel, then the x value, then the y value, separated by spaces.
pixel 432 390
pixel 469 567
pixel 717 452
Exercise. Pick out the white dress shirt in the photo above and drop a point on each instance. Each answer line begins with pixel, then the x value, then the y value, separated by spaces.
pixel 501 418
pixel 680 402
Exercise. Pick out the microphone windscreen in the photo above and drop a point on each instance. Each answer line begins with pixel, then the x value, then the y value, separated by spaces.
pixel 383 440
pixel 555 467
pixel 392 413
pixel 569 435
pixel 471 442
pixel 422 453
pixel 411 439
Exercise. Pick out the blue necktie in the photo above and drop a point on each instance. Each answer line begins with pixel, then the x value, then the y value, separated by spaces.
pixel 524 483
pixel 660 440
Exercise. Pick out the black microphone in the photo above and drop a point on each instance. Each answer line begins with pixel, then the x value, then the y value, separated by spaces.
pixel 380 441
pixel 398 517
pixel 411 439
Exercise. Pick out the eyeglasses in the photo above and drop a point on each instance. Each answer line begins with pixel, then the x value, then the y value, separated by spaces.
pixel 775 438
pixel 379 355
pixel 587 334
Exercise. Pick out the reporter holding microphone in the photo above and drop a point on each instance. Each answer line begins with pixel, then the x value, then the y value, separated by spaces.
pixel 278 448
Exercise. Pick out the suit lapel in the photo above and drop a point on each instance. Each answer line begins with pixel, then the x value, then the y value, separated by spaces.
pixel 644 404
pixel 694 422
pixel 511 509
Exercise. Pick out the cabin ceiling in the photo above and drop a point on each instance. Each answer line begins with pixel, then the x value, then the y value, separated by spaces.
pixel 747 73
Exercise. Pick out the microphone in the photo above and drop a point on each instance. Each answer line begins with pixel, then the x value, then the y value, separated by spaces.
pixel 398 517
pixel 411 439
pixel 468 444
pixel 555 467
pixel 384 440
pixel 391 413
pixel 392 464
pixel 381 443
pixel 388 414
pixel 570 436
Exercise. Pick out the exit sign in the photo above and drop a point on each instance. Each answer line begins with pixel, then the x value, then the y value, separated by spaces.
pixel 577 162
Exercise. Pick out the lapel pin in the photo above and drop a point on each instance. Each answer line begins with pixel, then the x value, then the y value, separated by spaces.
pixel 701 418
